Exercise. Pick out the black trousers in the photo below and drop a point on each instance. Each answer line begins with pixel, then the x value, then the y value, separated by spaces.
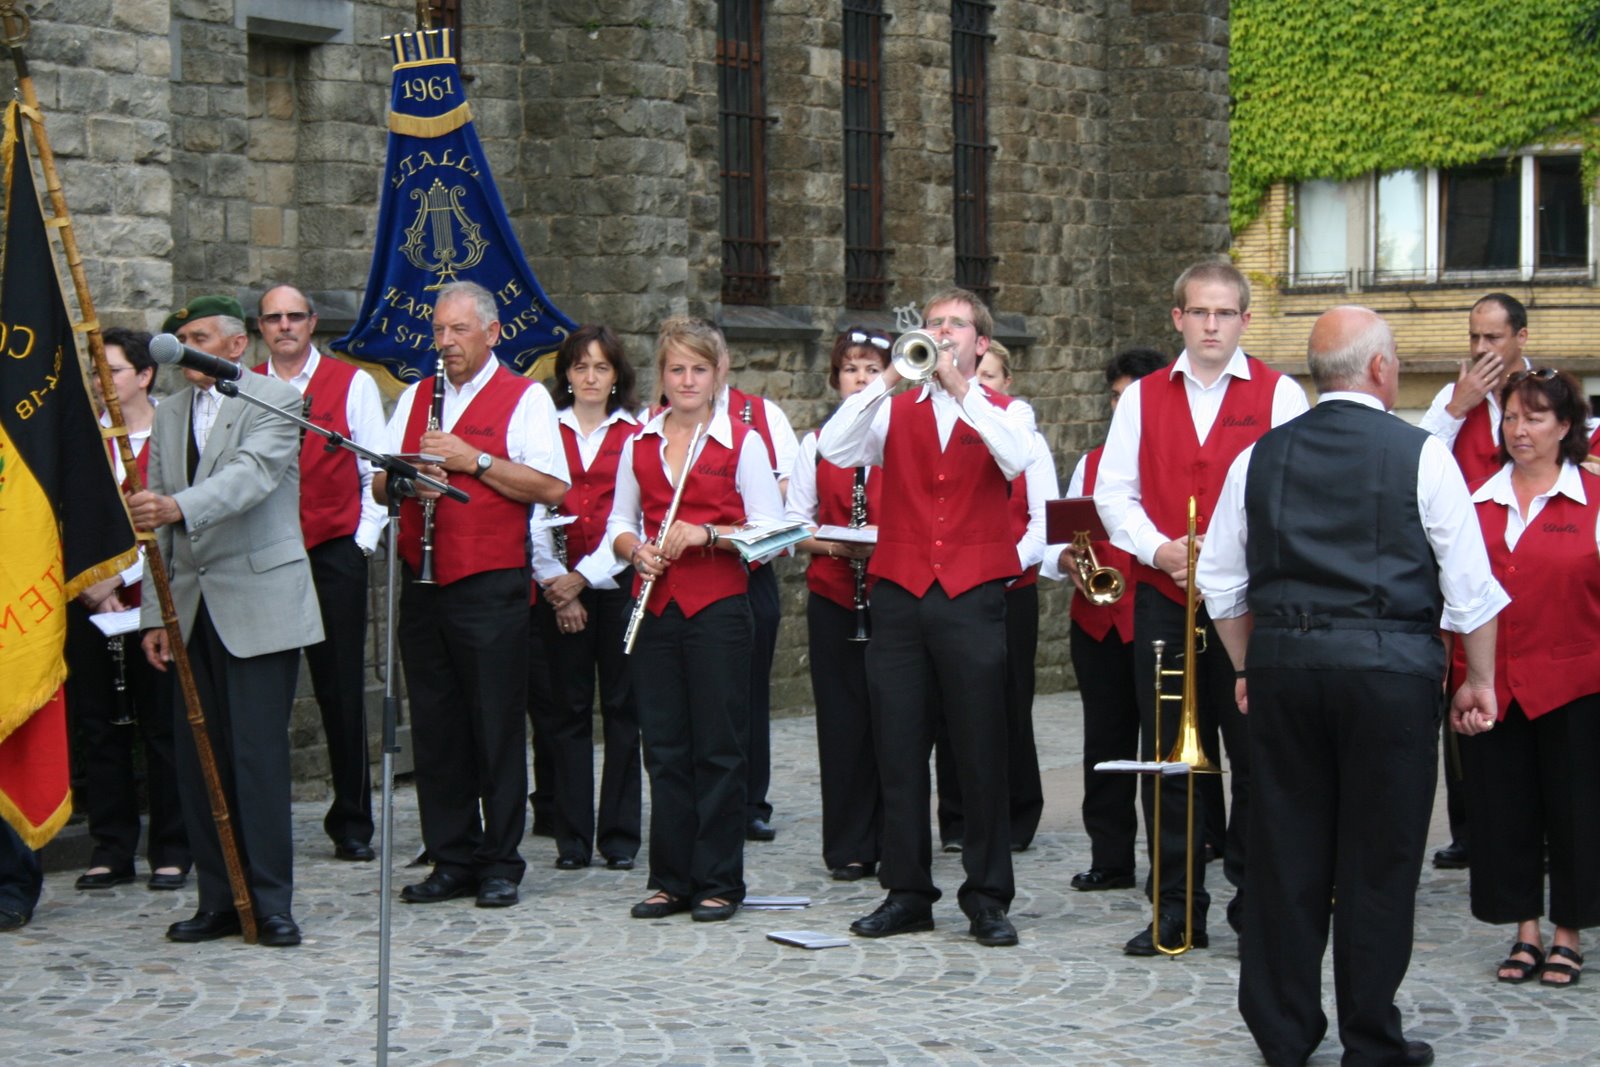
pixel 925 651
pixel 1027 791
pixel 575 661
pixel 465 647
pixel 246 704
pixel 1536 787
pixel 1110 731
pixel 852 801
pixel 21 875
pixel 1344 766
pixel 692 687
pixel 1157 618
pixel 106 773
pixel 767 612
pixel 337 665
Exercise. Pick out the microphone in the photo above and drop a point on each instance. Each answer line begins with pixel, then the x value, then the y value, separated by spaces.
pixel 167 349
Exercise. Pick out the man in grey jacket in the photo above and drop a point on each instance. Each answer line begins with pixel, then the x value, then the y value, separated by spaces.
pixel 223 496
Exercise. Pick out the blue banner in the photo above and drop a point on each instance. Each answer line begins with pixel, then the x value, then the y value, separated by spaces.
pixel 442 220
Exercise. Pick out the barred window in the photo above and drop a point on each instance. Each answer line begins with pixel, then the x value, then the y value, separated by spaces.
pixel 866 267
pixel 747 276
pixel 446 15
pixel 969 92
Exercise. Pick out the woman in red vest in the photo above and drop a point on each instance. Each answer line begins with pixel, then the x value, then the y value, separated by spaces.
pixel 1534 786
pixel 586 602
pixel 821 494
pixel 690 662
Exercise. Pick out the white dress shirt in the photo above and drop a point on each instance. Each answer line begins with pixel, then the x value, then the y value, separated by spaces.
pixel 1472 596
pixel 206 403
pixel 1569 483
pixel 601 566
pixel 785 445
pixel 1050 567
pixel 1117 494
pixel 363 411
pixel 854 435
pixel 801 505
pixel 1042 484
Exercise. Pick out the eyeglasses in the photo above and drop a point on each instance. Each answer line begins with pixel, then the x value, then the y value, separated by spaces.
pixel 1224 315
pixel 862 337
pixel 951 322
pixel 294 318
pixel 1542 374
pixel 119 370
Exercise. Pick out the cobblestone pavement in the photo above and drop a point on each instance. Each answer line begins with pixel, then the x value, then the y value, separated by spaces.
pixel 567 977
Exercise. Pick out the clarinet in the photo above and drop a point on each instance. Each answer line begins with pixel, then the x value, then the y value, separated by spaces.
pixel 435 418
pixel 558 536
pixel 858 519
pixel 123 716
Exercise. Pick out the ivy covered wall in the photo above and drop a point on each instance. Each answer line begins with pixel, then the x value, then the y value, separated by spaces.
pixel 1339 88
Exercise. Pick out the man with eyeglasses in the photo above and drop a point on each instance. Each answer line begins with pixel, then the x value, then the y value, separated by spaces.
pixel 1172 437
pixel 1465 414
pixel 948 451
pixel 342 523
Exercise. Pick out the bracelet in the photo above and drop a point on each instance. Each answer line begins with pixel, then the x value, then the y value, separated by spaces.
pixel 711 532
pixel 830 550
pixel 633 556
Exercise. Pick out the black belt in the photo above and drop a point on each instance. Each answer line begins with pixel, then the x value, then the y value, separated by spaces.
pixel 1304 621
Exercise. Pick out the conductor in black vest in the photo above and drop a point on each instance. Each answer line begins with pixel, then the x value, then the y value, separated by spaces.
pixel 1343 541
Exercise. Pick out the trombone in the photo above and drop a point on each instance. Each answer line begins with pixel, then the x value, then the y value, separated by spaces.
pixel 1187 750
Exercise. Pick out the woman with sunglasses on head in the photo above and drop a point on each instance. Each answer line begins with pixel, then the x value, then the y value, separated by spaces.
pixel 1536 788
pixel 690 662
pixel 585 608
pixel 836 615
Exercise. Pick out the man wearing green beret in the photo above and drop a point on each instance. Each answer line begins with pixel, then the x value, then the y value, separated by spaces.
pixel 223 496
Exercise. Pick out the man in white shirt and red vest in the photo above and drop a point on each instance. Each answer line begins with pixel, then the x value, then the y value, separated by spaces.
pixel 1341 544
pixel 342 523
pixel 465 639
pixel 1172 437
pixel 948 449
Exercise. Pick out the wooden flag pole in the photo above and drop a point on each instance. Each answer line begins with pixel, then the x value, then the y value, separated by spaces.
pixel 14 27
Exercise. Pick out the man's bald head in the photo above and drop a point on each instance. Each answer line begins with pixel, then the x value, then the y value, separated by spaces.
pixel 1352 350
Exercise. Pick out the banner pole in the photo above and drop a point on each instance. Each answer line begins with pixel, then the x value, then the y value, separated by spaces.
pixel 14 28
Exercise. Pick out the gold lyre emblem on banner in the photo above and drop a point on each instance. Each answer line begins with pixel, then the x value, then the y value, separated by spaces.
pixel 431 239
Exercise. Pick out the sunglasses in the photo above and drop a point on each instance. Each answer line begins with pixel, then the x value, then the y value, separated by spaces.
pixel 862 337
pixel 1541 374
pixel 293 317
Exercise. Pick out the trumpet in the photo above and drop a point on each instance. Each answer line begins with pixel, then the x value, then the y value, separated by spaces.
pixel 915 354
pixel 1186 749
pixel 435 417
pixel 1105 585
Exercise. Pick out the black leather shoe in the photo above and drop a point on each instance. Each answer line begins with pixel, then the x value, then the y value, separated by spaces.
pixel 1453 857
pixel 278 931
pixel 759 830
pixel 1418 1054
pixel 652 908
pixel 892 917
pixel 440 885
pixel 205 926
pixel 854 872
pixel 1096 878
pixel 1171 934
pixel 571 863
pixel 354 851
pixel 168 881
pixel 104 879
pixel 706 912
pixel 991 927
pixel 13 920
pixel 619 863
pixel 497 893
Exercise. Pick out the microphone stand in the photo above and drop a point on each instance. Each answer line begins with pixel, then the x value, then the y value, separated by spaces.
pixel 394 467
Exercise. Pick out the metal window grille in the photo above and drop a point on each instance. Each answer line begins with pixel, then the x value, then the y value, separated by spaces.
pixel 866 258
pixel 445 15
pixel 969 91
pixel 747 276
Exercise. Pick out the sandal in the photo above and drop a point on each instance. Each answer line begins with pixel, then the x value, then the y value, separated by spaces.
pixel 1572 973
pixel 1524 970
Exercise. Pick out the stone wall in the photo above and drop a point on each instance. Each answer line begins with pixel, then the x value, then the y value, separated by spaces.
pixel 206 147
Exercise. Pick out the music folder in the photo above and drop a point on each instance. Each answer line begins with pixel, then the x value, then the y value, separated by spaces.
pixel 1065 518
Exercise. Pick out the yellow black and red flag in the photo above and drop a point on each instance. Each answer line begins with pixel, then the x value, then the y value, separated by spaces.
pixel 63 525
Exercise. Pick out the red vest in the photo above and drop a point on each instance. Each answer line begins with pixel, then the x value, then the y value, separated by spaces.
pixel 1018 515
pixel 829 576
pixel 944 515
pixel 1092 619
pixel 701 576
pixel 592 488
pixel 1545 658
pixel 1594 442
pixel 330 482
pixel 751 410
pixel 1476 450
pixel 1174 465
pixel 130 594
pixel 490 533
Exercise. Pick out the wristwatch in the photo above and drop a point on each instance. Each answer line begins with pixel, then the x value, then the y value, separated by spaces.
pixel 484 462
